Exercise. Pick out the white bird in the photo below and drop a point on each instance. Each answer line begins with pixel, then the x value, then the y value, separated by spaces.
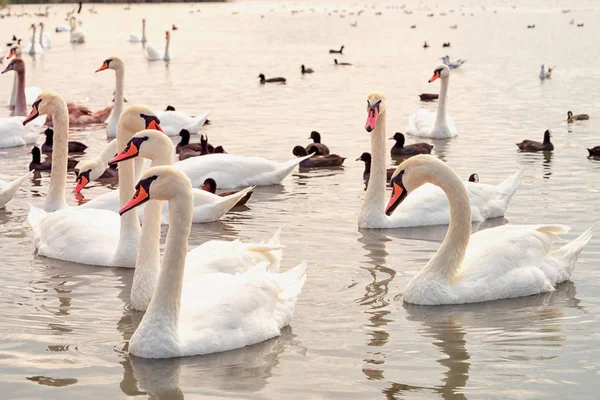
pixel 96 168
pixel 77 34
pixel 214 312
pixel 436 125
pixel 8 189
pixel 153 54
pixel 497 263
pixel 45 40
pixel 453 65
pixel 31 92
pixel 173 122
pixel 137 37
pixel 429 205
pixel 34 47
pixel 117 65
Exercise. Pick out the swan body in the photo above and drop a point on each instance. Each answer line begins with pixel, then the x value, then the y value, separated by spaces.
pixel 173 122
pixel 154 54
pixel 436 125
pixel 429 205
pixel 9 189
pixel 497 263
pixel 213 312
pixel 31 92
pixel 14 134
pixel 77 34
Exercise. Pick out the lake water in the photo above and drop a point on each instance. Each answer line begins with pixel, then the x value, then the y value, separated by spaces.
pixel 65 327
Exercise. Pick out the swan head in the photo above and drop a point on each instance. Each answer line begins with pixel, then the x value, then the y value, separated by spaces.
pixel 15 51
pixel 114 63
pixel 88 170
pixel 148 143
pixel 375 107
pixel 410 175
pixel 137 118
pixel 17 65
pixel 441 71
pixel 46 103
pixel 158 183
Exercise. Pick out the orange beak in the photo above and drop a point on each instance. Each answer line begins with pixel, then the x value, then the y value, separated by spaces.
pixel 11 54
pixel 154 125
pixel 32 115
pixel 82 181
pixel 372 119
pixel 139 197
pixel 398 195
pixel 130 151
pixel 434 77
pixel 103 67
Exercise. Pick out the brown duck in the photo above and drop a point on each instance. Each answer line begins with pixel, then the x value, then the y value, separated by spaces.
pixel 400 149
pixel 317 147
pixel 366 158
pixel 532 145
pixel 316 161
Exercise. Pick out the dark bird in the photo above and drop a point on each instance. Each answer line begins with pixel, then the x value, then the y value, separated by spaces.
pixel 594 151
pixel 532 145
pixel 366 158
pixel 340 51
pixel 317 147
pixel 170 108
pixel 341 63
pixel 210 185
pixel 429 96
pixel 37 164
pixel 474 178
pixel 270 80
pixel 425 45
pixel 578 117
pixel 174 28
pixel 446 44
pixel 331 160
pixel 74 146
pixel 400 149
pixel 306 70
pixel 198 147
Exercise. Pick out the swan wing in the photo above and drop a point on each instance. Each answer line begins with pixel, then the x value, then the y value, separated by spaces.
pixel 9 189
pixel 152 54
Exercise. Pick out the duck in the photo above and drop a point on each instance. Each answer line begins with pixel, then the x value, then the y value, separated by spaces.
pixel 37 164
pixel 317 147
pixel 74 146
pixel 155 146
pixel 425 45
pixel 80 115
pixel 532 145
pixel 366 158
pixel 429 96
pixel 78 234
pixel 340 51
pixel 429 205
pixel 206 313
pixel 474 178
pixel 96 168
pixel 203 147
pixel 399 149
pixel 77 34
pixel 154 54
pixel 263 80
pixel 436 125
pixel 341 63
pixel 8 189
pixel 137 37
pixel 45 40
pixel 594 151
pixel 578 117
pixel 219 150
pixel 174 121
pixel 317 161
pixel 31 92
pixel 503 262
pixel 117 65
pixel 34 47
pixel 306 70
pixel 210 185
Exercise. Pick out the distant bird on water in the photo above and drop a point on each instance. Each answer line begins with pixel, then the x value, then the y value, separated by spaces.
pixel 306 70
pixel 340 51
pixel 270 80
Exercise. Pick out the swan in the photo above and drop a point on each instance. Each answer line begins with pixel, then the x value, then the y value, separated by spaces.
pixel 86 236
pixel 9 189
pixel 173 122
pixel 77 34
pixel 31 92
pixel 428 205
pixel 45 40
pixel 213 312
pixel 153 54
pixel 497 263
pixel 436 125
pixel 117 65
pixel 62 28
pixel 139 38
pixel 34 47
pixel 97 167
pixel 154 145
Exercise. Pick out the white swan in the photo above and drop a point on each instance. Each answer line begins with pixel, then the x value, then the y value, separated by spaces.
pixel 117 65
pixel 436 125
pixel 139 38
pixel 9 189
pixel 77 34
pixel 31 92
pixel 215 312
pixel 429 205
pixel 497 263
pixel 45 40
pixel 86 236
pixel 62 28
pixel 154 145
pixel 34 47
pixel 173 122
pixel 95 168
pixel 153 54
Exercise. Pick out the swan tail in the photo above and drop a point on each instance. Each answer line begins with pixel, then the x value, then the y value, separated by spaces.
pixel 287 167
pixel 271 252
pixel 509 186
pixel 202 117
pixel 275 238
pixel 571 250
pixel 103 114
pixel 292 281
pixel 11 188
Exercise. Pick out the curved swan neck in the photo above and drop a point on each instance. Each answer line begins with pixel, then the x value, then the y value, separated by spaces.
pixel 374 203
pixel 440 119
pixel 109 151
pixel 60 153
pixel 119 99
pixel 20 100
pixel 447 260
pixel 163 311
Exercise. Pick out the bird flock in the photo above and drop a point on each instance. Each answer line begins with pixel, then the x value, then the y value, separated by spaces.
pixel 224 295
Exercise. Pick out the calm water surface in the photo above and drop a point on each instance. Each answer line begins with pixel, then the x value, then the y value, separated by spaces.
pixel 65 327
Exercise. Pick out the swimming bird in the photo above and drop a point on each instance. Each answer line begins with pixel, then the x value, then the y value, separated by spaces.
pixel 210 185
pixel 452 65
pixel 594 151
pixel 578 117
pixel 37 164
pixel 317 161
pixel 429 96
pixel 340 51
pixel 317 147
pixel 270 80
pixel 341 63
pixel 366 158
pixel 474 178
pixel 306 70
pixel 532 145
pixel 74 146
pixel 425 45
pixel 399 149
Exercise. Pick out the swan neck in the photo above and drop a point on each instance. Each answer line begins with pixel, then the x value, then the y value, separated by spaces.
pixel 33 40
pixel 20 100
pixel 108 152
pixel 13 94
pixel 375 197
pixel 447 260
pixel 167 47
pixel 60 153
pixel 440 119
pixel 143 31
pixel 41 34
pixel 119 87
